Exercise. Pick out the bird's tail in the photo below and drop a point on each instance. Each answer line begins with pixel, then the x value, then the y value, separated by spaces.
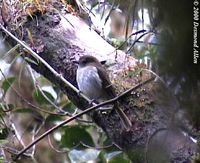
pixel 125 120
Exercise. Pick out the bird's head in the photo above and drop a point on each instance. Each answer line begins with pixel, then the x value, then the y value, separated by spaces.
pixel 88 60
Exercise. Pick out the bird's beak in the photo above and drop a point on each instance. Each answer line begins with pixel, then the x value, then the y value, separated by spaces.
pixel 75 62
pixel 103 62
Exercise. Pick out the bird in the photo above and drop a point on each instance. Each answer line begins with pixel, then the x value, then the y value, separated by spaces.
pixel 93 81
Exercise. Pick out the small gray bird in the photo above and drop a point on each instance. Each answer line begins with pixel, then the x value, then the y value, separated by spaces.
pixel 94 82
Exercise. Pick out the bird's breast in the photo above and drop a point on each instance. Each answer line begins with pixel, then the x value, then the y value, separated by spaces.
pixel 89 82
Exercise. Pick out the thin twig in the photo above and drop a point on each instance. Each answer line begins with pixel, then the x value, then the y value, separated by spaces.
pixel 56 127
pixel 80 114
pixel 36 107
pixel 26 101
pixel 132 45
pixel 135 33
pixel 10 52
pixel 134 88
pixel 37 86
pixel 35 132
pixel 17 134
pixel 13 150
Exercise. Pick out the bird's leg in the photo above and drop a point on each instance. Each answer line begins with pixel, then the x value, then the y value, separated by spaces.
pixel 93 101
pixel 104 108
pixel 90 101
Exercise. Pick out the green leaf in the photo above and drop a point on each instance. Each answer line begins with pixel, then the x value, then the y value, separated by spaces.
pixel 117 157
pixel 4 133
pixel 57 90
pixel 73 135
pixel 53 118
pixel 2 160
pixel 7 83
pixel 28 110
pixel 101 157
pixel 83 155
pixel 40 97
pixel 3 141
pixel 24 110
pixel 69 107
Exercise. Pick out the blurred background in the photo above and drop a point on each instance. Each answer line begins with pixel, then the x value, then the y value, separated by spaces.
pixel 158 33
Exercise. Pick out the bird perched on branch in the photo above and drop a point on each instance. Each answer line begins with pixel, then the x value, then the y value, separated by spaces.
pixel 93 81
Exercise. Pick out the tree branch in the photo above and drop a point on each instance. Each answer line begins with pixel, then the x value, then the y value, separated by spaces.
pixel 82 113
pixel 37 57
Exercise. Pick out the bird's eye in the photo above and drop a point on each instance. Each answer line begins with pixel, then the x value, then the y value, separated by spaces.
pixel 84 62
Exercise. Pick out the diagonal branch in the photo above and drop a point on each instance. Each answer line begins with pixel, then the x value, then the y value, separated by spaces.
pixel 37 57
pixel 82 113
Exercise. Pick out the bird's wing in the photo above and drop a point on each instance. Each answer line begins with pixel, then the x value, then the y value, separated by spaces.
pixel 110 92
pixel 106 83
